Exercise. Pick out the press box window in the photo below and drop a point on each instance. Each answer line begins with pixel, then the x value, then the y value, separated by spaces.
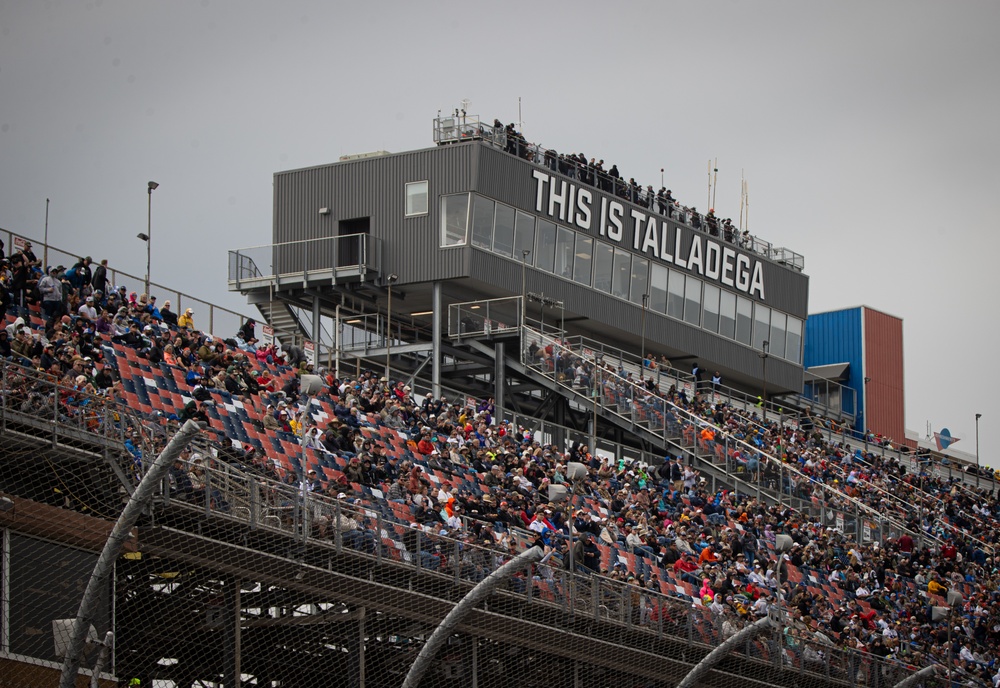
pixel 416 198
pixel 454 219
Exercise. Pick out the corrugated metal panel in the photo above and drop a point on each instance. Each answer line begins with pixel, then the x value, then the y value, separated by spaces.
pixel 884 365
pixel 837 337
pixel 375 188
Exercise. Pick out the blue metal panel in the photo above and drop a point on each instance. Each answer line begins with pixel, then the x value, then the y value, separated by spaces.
pixel 838 337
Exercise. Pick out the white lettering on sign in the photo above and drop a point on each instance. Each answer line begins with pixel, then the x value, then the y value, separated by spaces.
pixel 679 246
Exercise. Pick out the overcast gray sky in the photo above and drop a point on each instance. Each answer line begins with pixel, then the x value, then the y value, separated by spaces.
pixel 868 133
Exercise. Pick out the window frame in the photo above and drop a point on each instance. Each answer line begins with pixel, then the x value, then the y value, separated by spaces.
pixel 406 198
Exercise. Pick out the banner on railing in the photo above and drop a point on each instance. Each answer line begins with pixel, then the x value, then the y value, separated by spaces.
pixel 839 522
pixel 867 528
pixel 309 348
pixel 267 335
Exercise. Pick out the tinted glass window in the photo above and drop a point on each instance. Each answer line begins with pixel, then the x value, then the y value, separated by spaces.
pixel 454 219
pixel 545 245
pixel 744 319
pixel 416 198
pixel 584 259
pixel 640 279
pixel 675 295
pixel 692 300
pixel 503 231
pixel 604 258
pixel 564 253
pixel 658 288
pixel 761 325
pixel 727 315
pixel 710 320
pixel 524 235
pixel 482 223
pixel 777 339
pixel 623 270
pixel 793 340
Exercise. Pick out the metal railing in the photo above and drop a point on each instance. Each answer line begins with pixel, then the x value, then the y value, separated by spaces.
pixel 221 320
pixel 459 129
pixel 307 260
pixel 485 317
pixel 635 404
pixel 33 403
pixel 376 537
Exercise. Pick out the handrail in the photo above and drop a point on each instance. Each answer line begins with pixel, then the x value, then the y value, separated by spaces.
pixel 31 397
pixel 698 422
pixel 232 494
pixel 57 255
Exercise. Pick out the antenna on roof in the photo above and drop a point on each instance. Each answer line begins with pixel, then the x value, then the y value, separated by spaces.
pixel 715 183
pixel 743 195
pixel 520 122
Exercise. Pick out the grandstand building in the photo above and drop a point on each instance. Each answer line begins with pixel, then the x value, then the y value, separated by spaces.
pixel 481 216
pixel 318 535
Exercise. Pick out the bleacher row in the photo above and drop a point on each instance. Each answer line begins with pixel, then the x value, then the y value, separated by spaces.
pixel 747 436
pixel 159 392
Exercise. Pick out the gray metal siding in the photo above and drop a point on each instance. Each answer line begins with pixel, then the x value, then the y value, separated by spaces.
pixel 374 188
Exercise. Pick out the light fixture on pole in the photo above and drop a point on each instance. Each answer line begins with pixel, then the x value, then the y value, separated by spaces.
pixel 978 416
pixel 390 280
pixel 763 357
pixel 524 285
pixel 642 364
pixel 148 236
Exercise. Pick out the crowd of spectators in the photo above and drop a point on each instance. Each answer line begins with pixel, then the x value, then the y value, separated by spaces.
pixel 592 171
pixel 719 542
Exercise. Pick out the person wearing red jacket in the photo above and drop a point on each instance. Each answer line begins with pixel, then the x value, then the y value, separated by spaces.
pixel 425 446
pixel 685 567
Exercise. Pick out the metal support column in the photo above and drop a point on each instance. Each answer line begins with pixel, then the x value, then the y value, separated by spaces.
pixel 232 633
pixel 500 378
pixel 436 343
pixel 475 662
pixel 361 647
pixel 315 327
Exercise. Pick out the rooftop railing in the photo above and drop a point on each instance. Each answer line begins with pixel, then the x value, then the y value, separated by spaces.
pixel 462 128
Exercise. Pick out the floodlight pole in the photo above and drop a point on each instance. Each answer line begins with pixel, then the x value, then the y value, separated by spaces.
pixel 763 357
pixel 978 416
pixel 388 326
pixel 149 230
pixel 524 287
pixel 642 363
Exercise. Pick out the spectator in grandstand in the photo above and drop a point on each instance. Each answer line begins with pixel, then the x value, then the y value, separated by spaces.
pixel 99 280
pixel 247 332
pixel 51 288
pixel 168 316
pixel 186 320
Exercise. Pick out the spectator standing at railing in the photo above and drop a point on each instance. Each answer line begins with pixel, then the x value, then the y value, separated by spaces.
pixel 99 280
pixel 51 289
